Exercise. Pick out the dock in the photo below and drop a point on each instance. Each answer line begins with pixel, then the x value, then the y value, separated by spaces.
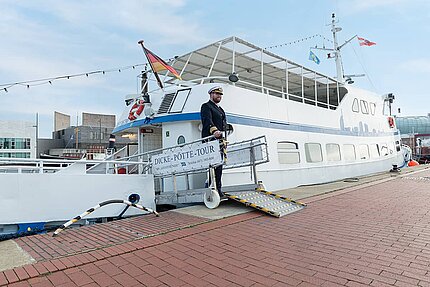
pixel 367 231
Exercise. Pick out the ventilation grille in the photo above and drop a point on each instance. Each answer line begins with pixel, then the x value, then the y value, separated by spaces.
pixel 166 103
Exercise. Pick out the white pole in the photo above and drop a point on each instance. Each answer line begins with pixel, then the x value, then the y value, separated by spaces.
pixel 337 56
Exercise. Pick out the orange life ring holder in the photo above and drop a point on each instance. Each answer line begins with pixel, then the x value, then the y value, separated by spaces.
pixel 391 122
pixel 136 110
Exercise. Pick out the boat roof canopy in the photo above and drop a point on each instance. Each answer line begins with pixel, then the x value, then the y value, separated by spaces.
pixel 258 70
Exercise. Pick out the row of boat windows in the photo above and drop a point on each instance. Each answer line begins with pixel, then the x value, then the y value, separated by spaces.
pixel 364 107
pixel 15 154
pixel 289 153
pixel 14 143
pixel 326 96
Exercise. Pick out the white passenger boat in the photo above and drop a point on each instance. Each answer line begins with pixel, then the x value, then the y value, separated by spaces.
pixel 318 128
pixel 296 127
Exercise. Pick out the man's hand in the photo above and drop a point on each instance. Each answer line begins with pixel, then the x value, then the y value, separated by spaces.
pixel 217 134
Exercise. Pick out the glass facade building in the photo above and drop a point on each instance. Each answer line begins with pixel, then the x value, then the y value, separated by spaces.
pixel 413 125
pixel 13 147
pixel 17 139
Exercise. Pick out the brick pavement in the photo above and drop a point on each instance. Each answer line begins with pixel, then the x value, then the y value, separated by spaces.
pixel 375 235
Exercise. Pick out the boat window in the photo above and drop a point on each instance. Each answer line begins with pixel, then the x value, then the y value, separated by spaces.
pixel 374 151
pixel 181 139
pixel 364 151
pixel 384 150
pixel 372 108
pixel 322 95
pixel 391 147
pixel 364 107
pixel 180 100
pixel 288 153
pixel 313 152
pixel 333 98
pixel 333 152
pixel 309 88
pixel 397 145
pixel 355 107
pixel 342 93
pixel 349 152
pixel 295 84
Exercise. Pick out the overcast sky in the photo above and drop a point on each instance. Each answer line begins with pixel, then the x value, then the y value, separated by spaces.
pixel 44 39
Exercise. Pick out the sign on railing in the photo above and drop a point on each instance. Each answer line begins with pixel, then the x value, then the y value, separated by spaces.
pixel 190 157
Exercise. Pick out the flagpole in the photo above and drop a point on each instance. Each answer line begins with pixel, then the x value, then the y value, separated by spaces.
pixel 150 63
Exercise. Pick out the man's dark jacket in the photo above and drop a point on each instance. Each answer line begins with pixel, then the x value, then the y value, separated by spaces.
pixel 213 118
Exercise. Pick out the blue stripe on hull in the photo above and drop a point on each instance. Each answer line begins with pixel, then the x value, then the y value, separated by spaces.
pixel 241 120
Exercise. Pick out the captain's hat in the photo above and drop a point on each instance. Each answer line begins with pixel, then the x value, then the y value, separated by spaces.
pixel 216 90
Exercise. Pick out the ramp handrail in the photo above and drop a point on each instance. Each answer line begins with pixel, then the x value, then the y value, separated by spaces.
pixel 237 147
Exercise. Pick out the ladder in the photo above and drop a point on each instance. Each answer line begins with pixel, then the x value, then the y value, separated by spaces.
pixel 266 201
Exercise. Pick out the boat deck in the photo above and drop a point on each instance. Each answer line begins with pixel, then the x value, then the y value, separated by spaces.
pixel 370 232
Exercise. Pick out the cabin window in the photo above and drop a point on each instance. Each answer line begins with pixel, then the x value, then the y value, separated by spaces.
pixel 372 108
pixel 384 150
pixel 374 151
pixel 391 148
pixel 333 152
pixel 333 96
pixel 313 152
pixel 364 107
pixel 355 107
pixel 181 139
pixel 342 93
pixel 288 153
pixel 180 100
pixel 398 146
pixel 349 152
pixel 364 151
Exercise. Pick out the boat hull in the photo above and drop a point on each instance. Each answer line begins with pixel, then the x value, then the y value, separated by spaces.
pixel 30 198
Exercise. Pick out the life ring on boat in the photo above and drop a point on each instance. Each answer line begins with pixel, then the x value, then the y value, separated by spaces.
pixel 391 122
pixel 136 110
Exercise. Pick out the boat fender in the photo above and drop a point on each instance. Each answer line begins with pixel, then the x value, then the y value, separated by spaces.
pixel 413 163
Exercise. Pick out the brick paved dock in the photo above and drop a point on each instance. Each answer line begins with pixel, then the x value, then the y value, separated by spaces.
pixel 374 234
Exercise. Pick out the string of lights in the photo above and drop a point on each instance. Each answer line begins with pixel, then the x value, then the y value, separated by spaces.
pixel 298 41
pixel 31 83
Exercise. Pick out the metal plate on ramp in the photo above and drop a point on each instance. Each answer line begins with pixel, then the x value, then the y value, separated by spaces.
pixel 266 201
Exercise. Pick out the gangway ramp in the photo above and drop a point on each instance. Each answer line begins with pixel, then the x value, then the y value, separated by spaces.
pixel 266 201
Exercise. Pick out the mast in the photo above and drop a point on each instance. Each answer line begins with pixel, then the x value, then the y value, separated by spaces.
pixel 336 49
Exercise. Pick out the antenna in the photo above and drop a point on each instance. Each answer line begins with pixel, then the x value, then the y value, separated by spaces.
pixel 335 52
pixel 336 48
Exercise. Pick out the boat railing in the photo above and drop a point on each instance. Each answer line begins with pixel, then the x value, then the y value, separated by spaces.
pixel 26 165
pixel 247 153
pixel 300 96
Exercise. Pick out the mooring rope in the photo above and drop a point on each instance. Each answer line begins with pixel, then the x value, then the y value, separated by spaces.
pixel 91 210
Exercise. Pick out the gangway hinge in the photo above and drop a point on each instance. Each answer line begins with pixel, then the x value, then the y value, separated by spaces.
pixel 266 201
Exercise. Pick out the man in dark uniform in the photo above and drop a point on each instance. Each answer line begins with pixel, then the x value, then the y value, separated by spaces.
pixel 214 123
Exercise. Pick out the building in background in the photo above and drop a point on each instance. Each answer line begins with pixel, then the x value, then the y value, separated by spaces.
pixel 17 139
pixel 415 132
pixel 90 139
